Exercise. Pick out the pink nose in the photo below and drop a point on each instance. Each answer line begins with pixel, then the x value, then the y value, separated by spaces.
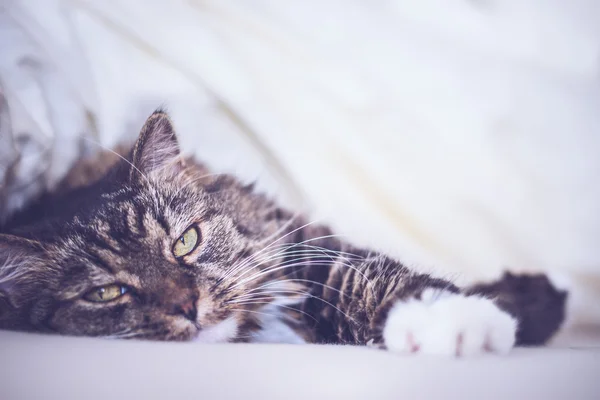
pixel 178 300
pixel 187 309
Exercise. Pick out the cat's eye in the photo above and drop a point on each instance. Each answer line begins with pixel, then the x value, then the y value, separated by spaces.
pixel 104 294
pixel 186 242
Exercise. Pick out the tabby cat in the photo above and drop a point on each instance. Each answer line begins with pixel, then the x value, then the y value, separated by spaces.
pixel 152 246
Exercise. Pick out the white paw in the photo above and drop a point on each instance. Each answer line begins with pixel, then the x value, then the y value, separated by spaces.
pixel 449 324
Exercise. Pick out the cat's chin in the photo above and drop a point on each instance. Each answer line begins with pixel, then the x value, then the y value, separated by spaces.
pixel 221 332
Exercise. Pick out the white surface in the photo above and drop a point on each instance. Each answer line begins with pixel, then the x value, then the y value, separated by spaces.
pixel 35 367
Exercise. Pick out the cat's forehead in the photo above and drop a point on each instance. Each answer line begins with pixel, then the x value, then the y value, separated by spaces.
pixel 128 195
pixel 128 213
pixel 115 241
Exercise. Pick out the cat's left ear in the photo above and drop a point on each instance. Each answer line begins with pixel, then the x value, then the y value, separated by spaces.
pixel 156 151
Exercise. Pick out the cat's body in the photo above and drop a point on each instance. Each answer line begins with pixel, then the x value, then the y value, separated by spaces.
pixel 155 247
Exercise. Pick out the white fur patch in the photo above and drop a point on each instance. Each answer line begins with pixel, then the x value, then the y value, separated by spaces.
pixel 449 324
pixel 219 333
pixel 274 329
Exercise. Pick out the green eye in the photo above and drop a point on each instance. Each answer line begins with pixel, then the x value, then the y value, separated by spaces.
pixel 186 242
pixel 104 294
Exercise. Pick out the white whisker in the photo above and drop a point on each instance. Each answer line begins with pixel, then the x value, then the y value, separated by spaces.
pixel 283 281
pixel 256 312
pixel 284 251
pixel 150 183
pixel 292 263
pixel 324 301
pixel 282 228
pixel 118 155
pixel 258 301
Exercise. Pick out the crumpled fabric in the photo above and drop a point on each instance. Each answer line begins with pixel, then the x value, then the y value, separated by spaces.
pixel 74 83
pixel 456 134
pixel 44 116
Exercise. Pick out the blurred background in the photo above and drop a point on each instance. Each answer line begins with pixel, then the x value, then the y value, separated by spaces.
pixel 461 136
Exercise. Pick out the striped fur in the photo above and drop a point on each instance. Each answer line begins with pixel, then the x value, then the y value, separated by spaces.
pixel 115 220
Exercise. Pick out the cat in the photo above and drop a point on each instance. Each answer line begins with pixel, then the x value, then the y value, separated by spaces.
pixel 147 244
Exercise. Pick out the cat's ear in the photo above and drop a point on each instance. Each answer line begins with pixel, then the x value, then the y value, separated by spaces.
pixel 18 259
pixel 156 151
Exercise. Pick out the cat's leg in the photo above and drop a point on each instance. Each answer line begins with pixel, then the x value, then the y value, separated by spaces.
pixel 375 300
pixel 361 297
pixel 378 301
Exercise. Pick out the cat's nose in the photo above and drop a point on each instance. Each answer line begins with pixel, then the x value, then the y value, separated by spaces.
pixel 187 309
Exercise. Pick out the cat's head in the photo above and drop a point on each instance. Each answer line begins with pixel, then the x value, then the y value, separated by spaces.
pixel 154 249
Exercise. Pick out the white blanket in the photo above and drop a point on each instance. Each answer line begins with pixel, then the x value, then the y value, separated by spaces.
pixel 456 135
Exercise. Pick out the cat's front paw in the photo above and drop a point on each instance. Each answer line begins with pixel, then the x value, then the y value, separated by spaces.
pixel 449 324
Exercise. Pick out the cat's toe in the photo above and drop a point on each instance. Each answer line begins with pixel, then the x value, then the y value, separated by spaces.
pixel 451 324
